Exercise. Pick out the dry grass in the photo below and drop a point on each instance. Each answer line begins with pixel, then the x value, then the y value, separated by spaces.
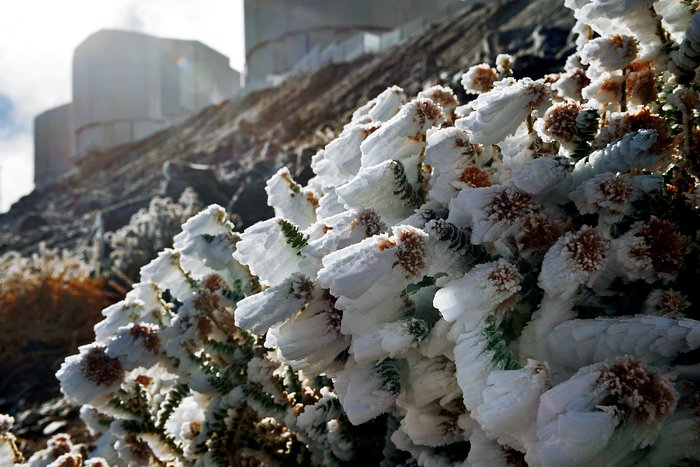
pixel 48 307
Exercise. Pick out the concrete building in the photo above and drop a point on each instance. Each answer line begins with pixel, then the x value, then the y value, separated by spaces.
pixel 281 34
pixel 127 86
pixel 52 145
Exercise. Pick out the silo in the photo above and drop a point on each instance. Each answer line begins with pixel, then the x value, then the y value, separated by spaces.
pixel 129 85
pixel 116 84
pixel 278 33
pixel 203 75
pixel 52 145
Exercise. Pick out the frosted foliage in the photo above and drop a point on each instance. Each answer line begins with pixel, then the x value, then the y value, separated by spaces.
pixel 455 163
pixel 499 112
pixel 149 231
pixel 271 250
pixel 374 187
pixel 339 161
pixel 402 138
pixel 387 104
pixel 289 200
pixel 505 281
pixel 610 53
pixel 631 17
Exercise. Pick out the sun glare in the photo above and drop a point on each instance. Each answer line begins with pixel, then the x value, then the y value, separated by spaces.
pixel 37 38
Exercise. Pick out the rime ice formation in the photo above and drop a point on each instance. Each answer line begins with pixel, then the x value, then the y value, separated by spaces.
pixel 509 281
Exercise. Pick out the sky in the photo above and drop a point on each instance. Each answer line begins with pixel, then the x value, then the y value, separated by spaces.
pixel 37 38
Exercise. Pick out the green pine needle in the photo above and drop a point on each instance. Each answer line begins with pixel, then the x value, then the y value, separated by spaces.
pixel 294 237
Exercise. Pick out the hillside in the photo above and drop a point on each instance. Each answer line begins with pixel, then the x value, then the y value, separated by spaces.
pixel 243 141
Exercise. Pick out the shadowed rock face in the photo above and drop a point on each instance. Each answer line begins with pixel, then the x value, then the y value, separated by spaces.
pixel 202 178
pixel 228 141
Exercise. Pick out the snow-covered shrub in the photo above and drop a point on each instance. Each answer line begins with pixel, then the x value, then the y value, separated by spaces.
pixel 516 288
pixel 149 231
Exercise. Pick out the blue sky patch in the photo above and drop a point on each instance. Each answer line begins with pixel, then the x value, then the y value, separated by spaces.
pixel 6 110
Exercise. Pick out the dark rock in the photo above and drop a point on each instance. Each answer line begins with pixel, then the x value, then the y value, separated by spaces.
pixel 83 207
pixel 302 166
pixel 28 417
pixel 201 178
pixel 250 202
pixel 534 66
pixel 251 205
pixel 119 215
pixel 31 221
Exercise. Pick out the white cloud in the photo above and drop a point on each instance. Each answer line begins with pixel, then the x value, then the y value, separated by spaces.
pixel 37 38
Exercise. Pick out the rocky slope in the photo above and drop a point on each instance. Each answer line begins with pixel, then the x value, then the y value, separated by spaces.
pixel 226 152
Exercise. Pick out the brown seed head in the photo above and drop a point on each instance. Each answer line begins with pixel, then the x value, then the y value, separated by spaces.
pixel 538 233
pixel 214 282
pixel 59 444
pixel 71 460
pixel 579 79
pixel 560 121
pixel 207 302
pixel 370 220
pixel 386 244
pixel 204 327
pixel 510 205
pixel 427 112
pixel 586 248
pixel 474 177
pixel 140 452
pixel 334 315
pixel 666 247
pixel 482 78
pixel 612 88
pixel 616 189
pixel 672 303
pixel 644 119
pixel 148 334
pixel 446 99
pixel 538 93
pixel 629 44
pixel 302 288
pixel 505 277
pixel 100 368
pixel 144 380
pixel 636 392
pixel 411 252
pixel 640 85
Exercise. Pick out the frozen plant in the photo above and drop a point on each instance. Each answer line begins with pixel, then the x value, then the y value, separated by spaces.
pixel 149 231
pixel 518 286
